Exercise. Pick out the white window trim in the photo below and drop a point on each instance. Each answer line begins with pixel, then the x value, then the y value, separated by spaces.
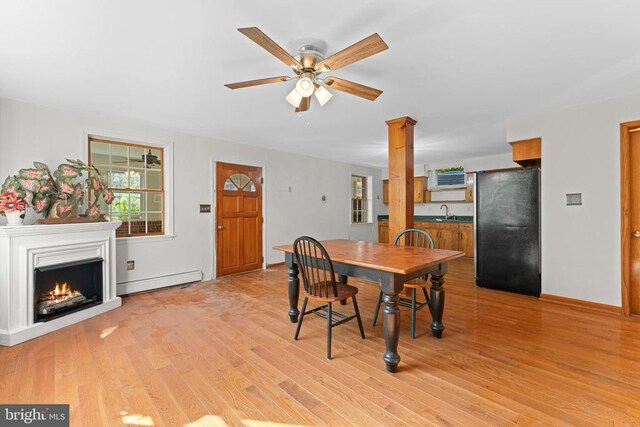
pixel 167 148
pixel 369 185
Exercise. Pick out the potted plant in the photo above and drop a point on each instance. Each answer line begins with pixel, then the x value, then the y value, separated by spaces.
pixel 13 206
pixel 59 194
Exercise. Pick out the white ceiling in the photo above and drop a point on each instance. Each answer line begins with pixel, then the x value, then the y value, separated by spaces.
pixel 460 68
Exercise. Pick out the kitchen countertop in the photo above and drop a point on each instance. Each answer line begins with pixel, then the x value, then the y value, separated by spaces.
pixel 432 218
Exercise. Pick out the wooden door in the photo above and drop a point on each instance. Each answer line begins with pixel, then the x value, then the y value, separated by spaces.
pixel 434 233
pixel 634 218
pixel 238 218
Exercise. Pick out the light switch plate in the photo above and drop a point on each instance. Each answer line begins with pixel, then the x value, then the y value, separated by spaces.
pixel 205 208
pixel 574 199
pixel 131 265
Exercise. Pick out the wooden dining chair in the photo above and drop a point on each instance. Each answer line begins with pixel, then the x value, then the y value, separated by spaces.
pixel 320 285
pixel 420 239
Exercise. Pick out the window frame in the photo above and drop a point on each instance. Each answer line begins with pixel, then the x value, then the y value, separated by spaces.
pixel 365 210
pixel 163 190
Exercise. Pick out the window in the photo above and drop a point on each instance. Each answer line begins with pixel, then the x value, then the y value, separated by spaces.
pixel 135 174
pixel 359 200
pixel 239 182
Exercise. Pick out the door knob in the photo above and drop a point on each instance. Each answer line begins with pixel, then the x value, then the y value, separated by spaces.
pixel 636 234
pixel 220 227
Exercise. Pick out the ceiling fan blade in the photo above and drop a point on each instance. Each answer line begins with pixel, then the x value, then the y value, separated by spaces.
pixel 249 83
pixel 255 34
pixel 356 52
pixel 353 88
pixel 304 105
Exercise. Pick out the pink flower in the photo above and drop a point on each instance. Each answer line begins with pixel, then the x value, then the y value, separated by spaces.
pixel 10 202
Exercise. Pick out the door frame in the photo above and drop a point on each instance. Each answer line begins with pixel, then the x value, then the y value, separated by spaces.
pixel 212 222
pixel 625 204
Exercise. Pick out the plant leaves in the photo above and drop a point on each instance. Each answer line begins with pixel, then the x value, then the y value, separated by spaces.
pixel 32 185
pixel 67 171
pixel 40 202
pixel 65 186
pixel 32 173
pixel 41 166
pixel 108 197
pixel 93 212
pixel 64 208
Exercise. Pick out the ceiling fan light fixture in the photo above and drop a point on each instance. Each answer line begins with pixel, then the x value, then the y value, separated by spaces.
pixel 304 86
pixel 294 98
pixel 322 95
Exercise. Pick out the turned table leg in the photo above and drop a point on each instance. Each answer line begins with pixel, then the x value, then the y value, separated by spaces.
pixel 437 304
pixel 294 292
pixel 391 317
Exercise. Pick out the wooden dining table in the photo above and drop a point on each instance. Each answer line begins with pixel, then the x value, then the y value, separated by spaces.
pixel 390 267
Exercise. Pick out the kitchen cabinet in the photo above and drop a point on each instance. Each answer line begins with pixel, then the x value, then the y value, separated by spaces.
pixel 465 239
pixel 420 192
pixel 383 231
pixel 454 236
pixel 527 152
pixel 468 194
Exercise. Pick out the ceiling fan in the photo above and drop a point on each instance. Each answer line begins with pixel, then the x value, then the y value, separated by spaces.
pixel 148 159
pixel 309 63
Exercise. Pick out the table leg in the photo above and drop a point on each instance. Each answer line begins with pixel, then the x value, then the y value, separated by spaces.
pixel 437 304
pixel 391 317
pixel 294 292
pixel 343 279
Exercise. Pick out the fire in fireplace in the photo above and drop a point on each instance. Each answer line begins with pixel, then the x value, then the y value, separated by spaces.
pixel 64 288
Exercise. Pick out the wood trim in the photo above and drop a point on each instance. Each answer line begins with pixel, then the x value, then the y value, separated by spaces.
pixel 590 305
pixel 162 191
pixel 625 202
pixel 275 264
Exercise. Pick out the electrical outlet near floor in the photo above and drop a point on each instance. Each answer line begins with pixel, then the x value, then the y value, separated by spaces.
pixel 131 265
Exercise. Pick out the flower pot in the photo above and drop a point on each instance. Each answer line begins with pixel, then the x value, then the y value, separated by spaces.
pixel 15 217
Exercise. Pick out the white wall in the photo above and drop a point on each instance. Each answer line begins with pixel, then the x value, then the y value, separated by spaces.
pixel 581 154
pixel 29 132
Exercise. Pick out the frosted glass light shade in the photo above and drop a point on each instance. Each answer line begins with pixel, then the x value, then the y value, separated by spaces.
pixel 322 95
pixel 304 87
pixel 294 98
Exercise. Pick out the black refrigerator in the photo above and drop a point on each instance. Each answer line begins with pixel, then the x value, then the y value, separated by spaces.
pixel 507 230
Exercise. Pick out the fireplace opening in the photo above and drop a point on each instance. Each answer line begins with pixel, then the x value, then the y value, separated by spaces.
pixel 65 288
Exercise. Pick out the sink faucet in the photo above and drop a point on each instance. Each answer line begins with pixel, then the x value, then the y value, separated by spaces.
pixel 446 211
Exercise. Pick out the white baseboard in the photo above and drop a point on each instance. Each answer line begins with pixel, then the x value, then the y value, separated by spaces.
pixel 16 337
pixel 158 282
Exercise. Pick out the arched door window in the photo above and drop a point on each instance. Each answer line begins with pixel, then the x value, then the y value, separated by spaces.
pixel 239 182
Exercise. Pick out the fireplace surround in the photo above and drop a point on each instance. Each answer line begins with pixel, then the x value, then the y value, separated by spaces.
pixel 36 251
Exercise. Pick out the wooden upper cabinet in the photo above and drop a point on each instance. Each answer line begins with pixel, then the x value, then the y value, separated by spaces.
pixel 527 152
pixel 420 192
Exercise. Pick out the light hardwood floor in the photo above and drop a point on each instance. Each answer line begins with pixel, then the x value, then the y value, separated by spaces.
pixel 222 353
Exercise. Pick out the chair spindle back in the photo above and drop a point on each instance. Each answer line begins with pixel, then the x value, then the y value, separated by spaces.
pixel 414 237
pixel 316 267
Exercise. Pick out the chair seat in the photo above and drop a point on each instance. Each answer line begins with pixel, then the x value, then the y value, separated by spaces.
pixel 344 292
pixel 417 283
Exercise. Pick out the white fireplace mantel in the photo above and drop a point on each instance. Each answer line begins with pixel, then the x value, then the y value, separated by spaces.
pixel 25 248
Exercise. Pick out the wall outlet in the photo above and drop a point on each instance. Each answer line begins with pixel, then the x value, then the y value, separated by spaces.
pixel 131 265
